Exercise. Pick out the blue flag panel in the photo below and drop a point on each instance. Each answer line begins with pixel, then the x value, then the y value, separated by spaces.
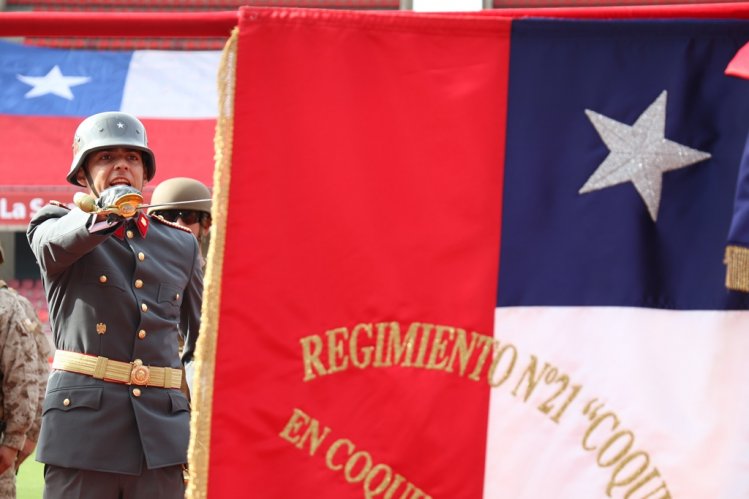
pixel 623 145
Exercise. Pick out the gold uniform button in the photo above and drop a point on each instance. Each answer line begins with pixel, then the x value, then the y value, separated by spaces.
pixel 177 297
pixel 142 334
pixel 144 307
pixel 136 392
pixel 138 283
pixel 141 256
pixel 66 402
pixel 102 279
pixel 130 234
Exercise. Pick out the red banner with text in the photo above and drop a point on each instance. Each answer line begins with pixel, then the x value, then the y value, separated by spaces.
pixel 362 216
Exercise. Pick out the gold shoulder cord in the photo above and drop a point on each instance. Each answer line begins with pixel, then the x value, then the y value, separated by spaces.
pixel 205 355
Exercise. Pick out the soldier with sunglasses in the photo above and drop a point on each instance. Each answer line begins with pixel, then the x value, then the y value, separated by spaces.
pixel 193 210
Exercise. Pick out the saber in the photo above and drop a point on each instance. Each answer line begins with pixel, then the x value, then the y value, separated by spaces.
pixel 173 203
pixel 126 206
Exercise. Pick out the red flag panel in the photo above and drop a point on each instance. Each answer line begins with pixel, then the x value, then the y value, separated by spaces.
pixel 364 212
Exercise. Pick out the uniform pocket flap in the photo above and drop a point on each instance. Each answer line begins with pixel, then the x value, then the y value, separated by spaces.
pixel 69 399
pixel 104 276
pixel 179 401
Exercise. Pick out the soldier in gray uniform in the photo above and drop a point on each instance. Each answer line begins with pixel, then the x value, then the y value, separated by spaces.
pixel 19 388
pixel 192 210
pixel 115 424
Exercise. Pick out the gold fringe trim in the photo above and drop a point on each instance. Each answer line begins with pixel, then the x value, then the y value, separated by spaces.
pixel 205 355
pixel 737 272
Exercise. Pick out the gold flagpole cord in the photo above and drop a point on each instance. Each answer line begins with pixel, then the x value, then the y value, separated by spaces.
pixel 205 355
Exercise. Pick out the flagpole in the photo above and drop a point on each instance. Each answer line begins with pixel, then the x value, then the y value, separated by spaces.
pixel 219 24
pixel 120 24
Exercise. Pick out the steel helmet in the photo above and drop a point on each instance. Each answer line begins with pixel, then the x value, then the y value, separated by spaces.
pixel 110 129
pixel 181 189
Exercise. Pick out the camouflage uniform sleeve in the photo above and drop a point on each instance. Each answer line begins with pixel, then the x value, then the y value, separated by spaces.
pixel 19 386
pixel 41 366
pixel 41 372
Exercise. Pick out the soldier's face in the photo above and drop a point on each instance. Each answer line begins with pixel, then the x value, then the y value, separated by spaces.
pixel 116 166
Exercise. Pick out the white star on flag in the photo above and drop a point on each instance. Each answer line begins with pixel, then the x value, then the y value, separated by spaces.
pixel 639 154
pixel 53 82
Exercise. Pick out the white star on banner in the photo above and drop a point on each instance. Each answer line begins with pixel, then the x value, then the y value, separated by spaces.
pixel 52 83
pixel 639 154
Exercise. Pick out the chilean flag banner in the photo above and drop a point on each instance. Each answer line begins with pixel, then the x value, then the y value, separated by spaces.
pixel 620 347
pixel 45 93
pixel 465 256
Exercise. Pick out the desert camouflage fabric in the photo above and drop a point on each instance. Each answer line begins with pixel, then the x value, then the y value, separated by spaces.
pixel 23 374
pixel 41 366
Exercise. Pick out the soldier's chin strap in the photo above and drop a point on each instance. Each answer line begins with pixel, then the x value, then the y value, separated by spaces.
pixel 90 181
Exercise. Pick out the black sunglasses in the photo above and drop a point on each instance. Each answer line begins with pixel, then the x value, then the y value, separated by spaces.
pixel 188 216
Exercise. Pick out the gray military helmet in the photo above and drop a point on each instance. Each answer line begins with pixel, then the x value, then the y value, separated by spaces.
pixel 110 129
pixel 190 193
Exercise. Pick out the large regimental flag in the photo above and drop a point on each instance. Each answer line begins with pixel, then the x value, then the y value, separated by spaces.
pixel 465 256
pixel 362 217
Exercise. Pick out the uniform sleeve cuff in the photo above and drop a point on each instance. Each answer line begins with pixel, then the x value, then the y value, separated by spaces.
pixel 14 441
pixel 102 227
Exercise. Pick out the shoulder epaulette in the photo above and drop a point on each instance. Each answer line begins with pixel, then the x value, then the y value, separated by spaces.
pixel 59 204
pixel 170 224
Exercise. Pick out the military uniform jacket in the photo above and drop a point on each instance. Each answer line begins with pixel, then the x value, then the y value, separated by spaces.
pixel 124 294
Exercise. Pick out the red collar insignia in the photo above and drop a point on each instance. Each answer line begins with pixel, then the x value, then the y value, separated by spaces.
pixel 141 222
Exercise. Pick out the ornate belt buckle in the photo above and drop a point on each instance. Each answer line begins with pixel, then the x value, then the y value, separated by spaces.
pixel 139 374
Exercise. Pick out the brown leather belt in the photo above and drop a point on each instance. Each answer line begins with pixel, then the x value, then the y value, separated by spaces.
pixel 115 371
